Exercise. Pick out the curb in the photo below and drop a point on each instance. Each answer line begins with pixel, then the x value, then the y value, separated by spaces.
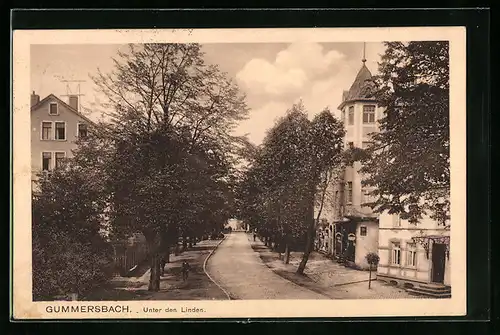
pixel 209 277
pixel 355 282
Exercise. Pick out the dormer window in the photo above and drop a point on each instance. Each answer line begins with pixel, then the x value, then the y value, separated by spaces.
pixel 53 109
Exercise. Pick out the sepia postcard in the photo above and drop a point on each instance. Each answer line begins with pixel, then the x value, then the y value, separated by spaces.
pixel 239 173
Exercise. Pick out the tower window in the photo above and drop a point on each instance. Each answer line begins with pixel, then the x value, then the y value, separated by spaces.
pixel 351 115
pixel 349 192
pixel 368 114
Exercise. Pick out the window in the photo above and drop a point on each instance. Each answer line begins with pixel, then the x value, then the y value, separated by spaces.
pixel 343 115
pixel 60 158
pixel 82 130
pixel 362 230
pixel 368 114
pixel 366 195
pixel 46 161
pixel 411 254
pixel 351 115
pixel 396 253
pixel 46 130
pixel 396 220
pixel 53 109
pixel 365 145
pixel 60 131
pixel 349 191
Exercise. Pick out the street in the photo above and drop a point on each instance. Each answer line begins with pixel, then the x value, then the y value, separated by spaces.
pixel 240 271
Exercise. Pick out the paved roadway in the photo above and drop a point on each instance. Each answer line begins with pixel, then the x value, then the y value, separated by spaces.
pixel 241 272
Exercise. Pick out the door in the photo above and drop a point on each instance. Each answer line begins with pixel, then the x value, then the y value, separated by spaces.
pixel 338 244
pixel 438 262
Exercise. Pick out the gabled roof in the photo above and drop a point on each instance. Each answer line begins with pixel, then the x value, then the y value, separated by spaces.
pixel 52 96
pixel 358 88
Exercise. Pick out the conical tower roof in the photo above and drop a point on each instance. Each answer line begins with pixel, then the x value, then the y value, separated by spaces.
pixel 357 88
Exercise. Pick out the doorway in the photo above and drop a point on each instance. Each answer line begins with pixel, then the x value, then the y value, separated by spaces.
pixel 438 262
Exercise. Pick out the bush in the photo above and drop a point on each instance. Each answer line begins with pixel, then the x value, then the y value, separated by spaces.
pixel 69 253
pixel 62 265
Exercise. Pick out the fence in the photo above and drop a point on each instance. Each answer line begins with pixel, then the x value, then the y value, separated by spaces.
pixel 127 257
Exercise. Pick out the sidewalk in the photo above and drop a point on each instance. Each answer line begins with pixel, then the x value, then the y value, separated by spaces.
pixel 327 277
pixel 197 287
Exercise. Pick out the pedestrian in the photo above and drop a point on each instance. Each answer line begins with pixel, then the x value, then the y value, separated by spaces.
pixel 254 236
pixel 185 270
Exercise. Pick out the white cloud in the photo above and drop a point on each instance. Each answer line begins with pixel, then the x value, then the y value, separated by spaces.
pixel 309 57
pixel 293 69
pixel 321 93
pixel 302 71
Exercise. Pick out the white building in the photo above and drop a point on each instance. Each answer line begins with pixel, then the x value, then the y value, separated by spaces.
pixel 55 127
pixel 415 256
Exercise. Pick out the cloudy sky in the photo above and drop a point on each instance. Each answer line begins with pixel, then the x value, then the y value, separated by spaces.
pixel 273 76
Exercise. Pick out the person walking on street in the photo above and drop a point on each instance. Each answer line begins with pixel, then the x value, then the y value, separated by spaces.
pixel 185 270
pixel 254 236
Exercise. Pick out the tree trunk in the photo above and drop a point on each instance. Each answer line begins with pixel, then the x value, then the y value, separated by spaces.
pixel 370 278
pixel 287 254
pixel 154 279
pixel 309 237
pixel 307 250
pixel 184 243
pixel 176 249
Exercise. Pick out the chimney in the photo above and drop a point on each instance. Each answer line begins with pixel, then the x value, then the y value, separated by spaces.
pixel 73 101
pixel 35 98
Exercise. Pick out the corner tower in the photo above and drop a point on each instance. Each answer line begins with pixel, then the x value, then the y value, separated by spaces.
pixel 356 228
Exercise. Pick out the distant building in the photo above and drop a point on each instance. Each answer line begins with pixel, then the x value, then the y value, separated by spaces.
pixel 55 126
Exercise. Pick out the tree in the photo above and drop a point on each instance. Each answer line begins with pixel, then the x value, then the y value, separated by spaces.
pixel 170 173
pixel 70 250
pixel 408 161
pixel 277 193
pixel 325 152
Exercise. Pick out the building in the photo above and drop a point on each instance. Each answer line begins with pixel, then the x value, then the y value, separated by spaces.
pixel 415 256
pixel 55 126
pixel 355 229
